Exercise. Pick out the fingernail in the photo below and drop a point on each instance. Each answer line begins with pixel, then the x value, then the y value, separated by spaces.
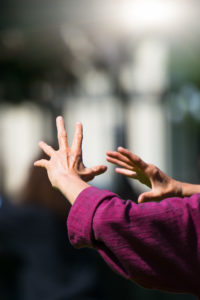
pixel 59 118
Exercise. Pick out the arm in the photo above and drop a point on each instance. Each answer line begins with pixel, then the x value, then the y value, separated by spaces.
pixel 154 244
pixel 162 186
pixel 188 189
pixel 65 168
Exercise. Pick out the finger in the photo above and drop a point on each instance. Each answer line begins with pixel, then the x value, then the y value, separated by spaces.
pixel 46 148
pixel 119 156
pixel 137 161
pixel 98 170
pixel 126 173
pixel 119 163
pixel 78 138
pixel 43 163
pixel 62 134
pixel 148 197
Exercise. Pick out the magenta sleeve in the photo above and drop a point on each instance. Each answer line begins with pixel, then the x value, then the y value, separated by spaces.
pixel 157 245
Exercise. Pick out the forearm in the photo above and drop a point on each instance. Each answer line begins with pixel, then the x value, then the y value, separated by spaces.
pixel 152 243
pixel 188 189
pixel 152 253
pixel 71 186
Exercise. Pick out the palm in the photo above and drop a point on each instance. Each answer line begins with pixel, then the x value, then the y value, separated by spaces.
pixel 67 160
pixel 134 167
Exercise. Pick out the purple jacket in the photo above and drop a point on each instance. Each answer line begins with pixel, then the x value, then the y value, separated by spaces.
pixel 155 244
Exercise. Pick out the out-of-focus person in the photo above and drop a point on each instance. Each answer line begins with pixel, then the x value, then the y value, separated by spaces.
pixel 37 261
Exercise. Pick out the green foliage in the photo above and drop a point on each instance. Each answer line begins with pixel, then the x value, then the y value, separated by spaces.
pixel 185 66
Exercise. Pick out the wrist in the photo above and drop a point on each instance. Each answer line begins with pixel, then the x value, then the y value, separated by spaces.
pixel 178 187
pixel 71 185
pixel 189 189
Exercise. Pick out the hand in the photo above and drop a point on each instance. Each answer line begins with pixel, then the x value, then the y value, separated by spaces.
pixel 134 167
pixel 67 161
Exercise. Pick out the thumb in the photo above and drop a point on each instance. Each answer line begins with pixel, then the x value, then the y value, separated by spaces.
pixel 98 170
pixel 148 196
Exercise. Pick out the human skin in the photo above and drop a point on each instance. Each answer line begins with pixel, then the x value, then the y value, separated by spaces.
pixel 65 167
pixel 67 172
pixel 162 186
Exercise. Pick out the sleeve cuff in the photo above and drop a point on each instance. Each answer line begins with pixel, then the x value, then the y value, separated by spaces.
pixel 81 215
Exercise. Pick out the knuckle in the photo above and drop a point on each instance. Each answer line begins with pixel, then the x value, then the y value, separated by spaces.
pixel 62 133
pixel 155 171
pixel 137 159
pixel 69 155
pixel 79 136
pixel 77 156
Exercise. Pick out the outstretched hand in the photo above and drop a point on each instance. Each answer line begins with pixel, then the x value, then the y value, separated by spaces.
pixel 67 161
pixel 134 167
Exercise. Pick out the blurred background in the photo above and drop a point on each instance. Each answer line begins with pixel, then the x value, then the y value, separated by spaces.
pixel 129 70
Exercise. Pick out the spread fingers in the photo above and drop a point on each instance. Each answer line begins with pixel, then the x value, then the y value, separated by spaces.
pixel 46 148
